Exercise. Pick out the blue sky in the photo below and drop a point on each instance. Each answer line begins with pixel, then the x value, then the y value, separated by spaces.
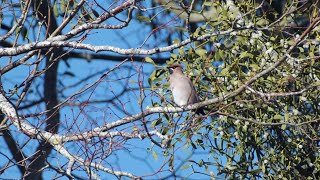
pixel 135 157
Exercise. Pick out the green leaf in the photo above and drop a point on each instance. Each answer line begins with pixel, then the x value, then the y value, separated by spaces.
pixel 185 167
pixel 317 83
pixel 173 58
pixel 301 49
pixel 176 41
pixel 208 3
pixel 278 117
pixel 149 60
pixel 165 131
pixel 256 66
pixel 181 29
pixel 181 51
pixel 197 32
pixel 200 163
pixel 55 9
pixel 270 109
pixel 286 116
pixel 221 54
pixel 225 72
pixel 156 122
pixel 143 19
pixel 216 23
pixel 245 54
pixel 201 52
pixel 159 72
pixel 152 77
pixel 63 6
pixel 217 55
pixel 154 154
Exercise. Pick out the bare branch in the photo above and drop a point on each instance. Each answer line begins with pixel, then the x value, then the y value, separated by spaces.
pixel 47 44
pixel 19 23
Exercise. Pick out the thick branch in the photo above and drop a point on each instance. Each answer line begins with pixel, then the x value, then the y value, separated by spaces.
pixel 48 44
pixel 54 139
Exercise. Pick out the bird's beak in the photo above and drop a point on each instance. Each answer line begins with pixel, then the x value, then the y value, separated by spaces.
pixel 170 70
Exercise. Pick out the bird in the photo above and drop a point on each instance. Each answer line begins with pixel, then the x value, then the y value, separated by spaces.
pixel 183 90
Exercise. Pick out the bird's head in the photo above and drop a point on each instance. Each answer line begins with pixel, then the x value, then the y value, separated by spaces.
pixel 175 68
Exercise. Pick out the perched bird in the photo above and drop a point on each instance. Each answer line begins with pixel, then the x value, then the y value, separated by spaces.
pixel 183 90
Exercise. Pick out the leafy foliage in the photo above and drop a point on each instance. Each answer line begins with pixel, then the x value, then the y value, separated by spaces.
pixel 255 65
pixel 271 129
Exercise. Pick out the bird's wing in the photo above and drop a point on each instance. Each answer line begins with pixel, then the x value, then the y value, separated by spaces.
pixel 193 97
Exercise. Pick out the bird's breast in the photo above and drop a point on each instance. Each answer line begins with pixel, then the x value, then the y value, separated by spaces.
pixel 181 94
